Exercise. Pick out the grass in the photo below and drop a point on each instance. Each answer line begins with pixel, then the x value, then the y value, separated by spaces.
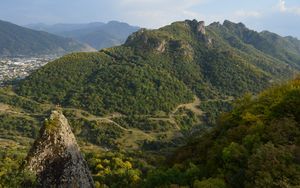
pixel 130 138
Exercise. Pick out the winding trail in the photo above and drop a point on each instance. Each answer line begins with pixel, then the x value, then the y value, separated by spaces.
pixel 5 108
pixel 193 106
pixel 107 119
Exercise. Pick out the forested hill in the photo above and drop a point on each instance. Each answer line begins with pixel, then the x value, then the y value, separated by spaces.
pixel 257 144
pixel 132 106
pixel 155 70
pixel 16 40
pixel 284 48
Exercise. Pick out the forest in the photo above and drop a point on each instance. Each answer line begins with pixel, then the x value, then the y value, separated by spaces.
pixel 171 107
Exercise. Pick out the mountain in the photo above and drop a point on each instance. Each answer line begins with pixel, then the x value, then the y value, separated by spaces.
pixel 254 145
pixel 284 48
pixel 55 157
pixel 59 29
pixel 97 34
pixel 146 113
pixel 16 40
pixel 155 70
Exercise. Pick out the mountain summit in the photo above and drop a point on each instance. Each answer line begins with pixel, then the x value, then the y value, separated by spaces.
pixel 55 157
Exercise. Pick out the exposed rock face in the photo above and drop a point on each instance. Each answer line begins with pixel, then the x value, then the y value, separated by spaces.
pixel 55 157
pixel 201 30
pixel 201 27
pixel 161 46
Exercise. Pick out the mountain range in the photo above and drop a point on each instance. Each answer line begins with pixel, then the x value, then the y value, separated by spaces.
pixel 155 70
pixel 147 113
pixel 96 34
pixel 19 41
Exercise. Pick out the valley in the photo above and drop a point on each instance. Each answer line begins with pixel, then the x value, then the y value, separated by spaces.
pixel 185 104
pixel 133 136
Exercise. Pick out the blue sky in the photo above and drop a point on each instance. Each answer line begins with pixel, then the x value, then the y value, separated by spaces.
pixel 280 16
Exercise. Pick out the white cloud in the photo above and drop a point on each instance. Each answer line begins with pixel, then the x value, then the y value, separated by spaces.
pixel 283 8
pixel 185 3
pixel 155 13
pixel 247 14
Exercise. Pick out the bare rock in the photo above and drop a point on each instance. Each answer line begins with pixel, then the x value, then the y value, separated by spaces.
pixel 55 157
pixel 161 46
pixel 201 27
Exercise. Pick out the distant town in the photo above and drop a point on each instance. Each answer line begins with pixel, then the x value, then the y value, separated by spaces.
pixel 16 68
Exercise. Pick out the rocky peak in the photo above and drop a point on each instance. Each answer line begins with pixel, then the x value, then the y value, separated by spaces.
pixel 144 39
pixel 55 157
pixel 201 27
pixel 215 24
pixel 196 26
pixel 231 25
pixel 161 46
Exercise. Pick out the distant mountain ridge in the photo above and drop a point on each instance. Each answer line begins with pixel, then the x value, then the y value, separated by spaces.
pixel 60 28
pixel 16 40
pixel 286 49
pixel 97 34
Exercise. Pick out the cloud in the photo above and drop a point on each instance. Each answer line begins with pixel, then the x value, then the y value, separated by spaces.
pixel 155 13
pixel 247 14
pixel 184 3
pixel 284 9
pixel 282 6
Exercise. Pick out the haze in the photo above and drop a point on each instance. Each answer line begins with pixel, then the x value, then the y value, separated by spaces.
pixel 280 16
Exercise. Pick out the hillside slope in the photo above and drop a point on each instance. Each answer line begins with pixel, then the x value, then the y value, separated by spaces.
pixel 140 101
pixel 155 70
pixel 255 145
pixel 16 40
pixel 286 49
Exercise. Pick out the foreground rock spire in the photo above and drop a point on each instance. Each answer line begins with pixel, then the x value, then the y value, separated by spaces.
pixel 55 156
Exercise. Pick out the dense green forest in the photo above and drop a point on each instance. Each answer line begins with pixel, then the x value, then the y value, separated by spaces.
pixel 102 85
pixel 155 70
pixel 161 110
pixel 256 144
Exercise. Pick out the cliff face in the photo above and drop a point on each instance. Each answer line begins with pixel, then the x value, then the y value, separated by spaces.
pixel 55 156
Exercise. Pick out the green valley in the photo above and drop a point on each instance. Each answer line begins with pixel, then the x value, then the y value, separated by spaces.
pixel 165 109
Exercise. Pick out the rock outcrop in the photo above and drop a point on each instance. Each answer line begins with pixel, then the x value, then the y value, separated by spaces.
pixel 201 27
pixel 55 157
pixel 162 46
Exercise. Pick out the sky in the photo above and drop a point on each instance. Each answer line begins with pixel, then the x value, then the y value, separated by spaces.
pixel 279 16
